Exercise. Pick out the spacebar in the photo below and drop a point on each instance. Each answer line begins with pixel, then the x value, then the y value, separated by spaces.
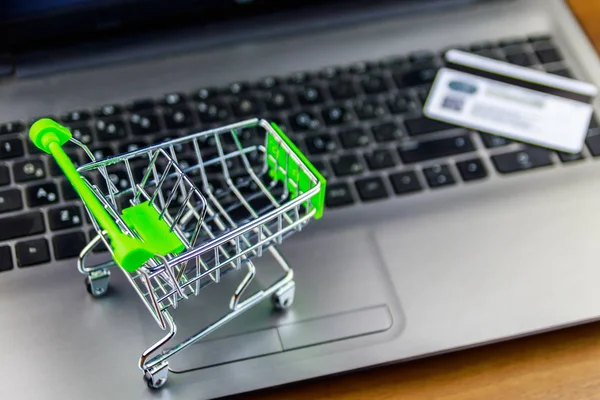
pixel 21 225
pixel 436 148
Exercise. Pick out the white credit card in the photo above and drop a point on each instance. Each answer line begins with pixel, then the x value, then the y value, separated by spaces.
pixel 511 101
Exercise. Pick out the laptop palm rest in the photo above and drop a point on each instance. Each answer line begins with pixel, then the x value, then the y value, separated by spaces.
pixel 339 295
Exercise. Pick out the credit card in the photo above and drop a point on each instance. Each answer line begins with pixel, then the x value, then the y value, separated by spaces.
pixel 511 101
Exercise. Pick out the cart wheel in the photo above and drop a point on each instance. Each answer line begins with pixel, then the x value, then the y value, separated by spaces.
pixel 284 297
pixel 97 286
pixel 156 377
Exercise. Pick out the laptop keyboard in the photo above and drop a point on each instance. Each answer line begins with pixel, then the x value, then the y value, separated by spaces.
pixel 360 125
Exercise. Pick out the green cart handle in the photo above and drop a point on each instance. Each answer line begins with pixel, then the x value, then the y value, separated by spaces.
pixel 49 136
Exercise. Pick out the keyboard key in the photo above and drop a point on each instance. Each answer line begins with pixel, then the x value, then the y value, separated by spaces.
pixel 373 84
pixel 21 225
pixel 100 247
pixel 173 99
pixel 83 134
pixel 415 77
pixel 68 245
pixel 67 190
pixel 141 105
pixel 103 152
pixel 205 94
pixel 269 82
pixel 336 115
pixel 371 189
pixel 342 89
pixel 11 148
pixel 471 170
pixel 131 146
pixel 76 116
pixel 369 109
pixel 548 56
pixel 491 141
pixel 522 59
pixel 304 121
pixel 438 176
pixel 569 157
pixel 246 106
pixel 25 171
pixel 64 217
pixel 330 72
pixel 320 144
pixel 143 124
pixel 380 159
pixel 401 104
pixel 338 194
pixel 4 175
pixel 562 72
pixel 42 194
pixel 310 95
pixel 405 182
pixel 394 62
pixel 238 88
pixel 108 130
pixel 177 118
pixel 10 200
pixel 278 101
pixel 109 110
pixel 353 138
pixel 213 111
pixel 507 42
pixel 421 57
pixel 527 159
pixel 491 53
pixel 6 261
pixel 321 167
pixel 436 148
pixel 347 165
pixel 12 127
pixel 423 125
pixel 386 132
pixel 32 252
pixel 539 38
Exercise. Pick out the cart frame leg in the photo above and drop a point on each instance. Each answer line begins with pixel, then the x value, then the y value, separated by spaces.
pixel 97 277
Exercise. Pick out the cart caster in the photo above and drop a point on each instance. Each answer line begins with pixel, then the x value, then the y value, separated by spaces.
pixel 156 377
pixel 284 297
pixel 97 283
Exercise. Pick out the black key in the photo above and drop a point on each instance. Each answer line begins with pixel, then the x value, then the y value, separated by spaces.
pixel 237 88
pixel 144 124
pixel 353 138
pixel 421 57
pixel 33 149
pixel 64 217
pixel 119 178
pixel 369 109
pixel 12 127
pixel 593 123
pixel 109 110
pixel 299 78
pixel 562 72
pixel 338 194
pixel 173 99
pixel 373 84
pixel 30 170
pixel 6 261
pixel 131 146
pixel 405 182
pixel 83 134
pixel 205 94
pixel 246 106
pixel 569 157
pixel 423 125
pixel 101 153
pixel 42 194
pixel 108 130
pixel 386 132
pixel 347 165
pixel 76 116
pixel 539 38
pixel 32 252
pixel 10 200
pixel 11 148
pixel 487 45
pixel 394 62
pixel 4 175
pixel 337 115
pixel 471 170
pixel 304 121
pixel 277 101
pixel 101 247
pixel 415 77
pixel 269 82
pixel 213 111
pixel 516 48
pixel 141 105
pixel 311 94
pixel 321 167
pixel 511 42
pixel 438 176
pixel 330 72
pixel 21 225
pixel 320 144
pixel 491 53
pixel 526 159
pixel 401 104
pixel 371 189
pixel 68 245
pixel 380 159
pixel 522 59
pixel 436 148
pixel 342 89
pixel 177 118
pixel 548 56
pixel 491 141
pixel 68 192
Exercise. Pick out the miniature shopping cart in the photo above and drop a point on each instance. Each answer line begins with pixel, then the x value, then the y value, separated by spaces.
pixel 178 215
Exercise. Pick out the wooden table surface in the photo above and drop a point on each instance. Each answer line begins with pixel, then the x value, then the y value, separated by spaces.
pixel 558 365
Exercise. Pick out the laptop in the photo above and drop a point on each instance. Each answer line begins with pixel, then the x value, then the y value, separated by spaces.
pixel 434 238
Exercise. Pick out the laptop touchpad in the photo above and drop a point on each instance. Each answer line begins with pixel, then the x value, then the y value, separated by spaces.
pixel 341 292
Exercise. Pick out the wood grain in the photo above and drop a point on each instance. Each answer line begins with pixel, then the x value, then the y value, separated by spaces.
pixel 561 365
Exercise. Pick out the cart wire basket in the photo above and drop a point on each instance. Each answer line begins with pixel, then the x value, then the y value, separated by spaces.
pixel 176 216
